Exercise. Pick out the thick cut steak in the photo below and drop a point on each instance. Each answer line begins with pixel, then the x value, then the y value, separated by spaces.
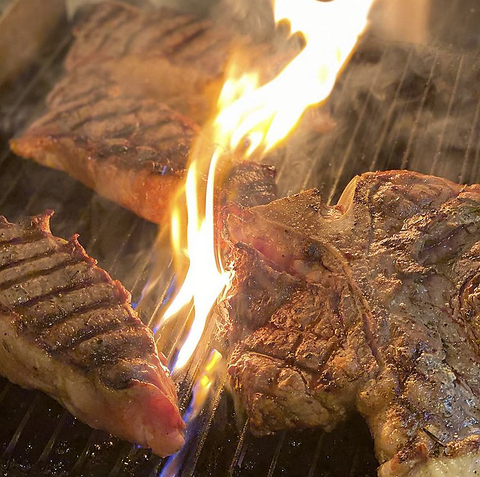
pixel 116 120
pixel 129 149
pixel 162 54
pixel 68 329
pixel 370 305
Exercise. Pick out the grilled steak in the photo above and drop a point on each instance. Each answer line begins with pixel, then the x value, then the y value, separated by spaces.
pixel 129 149
pixel 167 55
pixel 371 305
pixel 162 54
pixel 108 122
pixel 68 329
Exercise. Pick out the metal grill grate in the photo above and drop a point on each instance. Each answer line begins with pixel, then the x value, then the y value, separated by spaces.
pixel 396 106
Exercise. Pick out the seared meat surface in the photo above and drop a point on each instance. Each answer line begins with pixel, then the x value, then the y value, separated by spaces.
pixel 369 305
pixel 68 329
pixel 129 149
pixel 109 122
pixel 162 54
pixel 116 121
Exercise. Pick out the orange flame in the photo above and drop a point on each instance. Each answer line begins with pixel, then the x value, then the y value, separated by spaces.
pixel 267 114
pixel 262 116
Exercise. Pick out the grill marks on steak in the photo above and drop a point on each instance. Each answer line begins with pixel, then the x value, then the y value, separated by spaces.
pixel 300 369
pixel 382 317
pixel 64 292
pixel 160 54
pixel 72 331
pixel 131 150
pixel 126 131
pixel 115 30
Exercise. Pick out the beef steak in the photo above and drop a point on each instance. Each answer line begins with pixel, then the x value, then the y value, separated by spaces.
pixel 370 305
pixel 132 150
pixel 67 328
pixel 123 118
pixel 162 54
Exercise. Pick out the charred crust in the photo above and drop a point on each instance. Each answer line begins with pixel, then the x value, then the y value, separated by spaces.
pixel 39 222
pixel 72 309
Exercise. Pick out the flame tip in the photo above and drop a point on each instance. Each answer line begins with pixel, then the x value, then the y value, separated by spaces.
pixel 252 119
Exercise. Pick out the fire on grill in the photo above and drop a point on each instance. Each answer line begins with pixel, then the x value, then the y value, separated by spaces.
pixel 365 306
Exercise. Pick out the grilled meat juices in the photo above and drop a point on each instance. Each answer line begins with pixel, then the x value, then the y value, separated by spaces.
pixel 369 306
pixel 68 329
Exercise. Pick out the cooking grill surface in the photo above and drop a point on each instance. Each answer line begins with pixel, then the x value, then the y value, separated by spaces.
pixel 395 106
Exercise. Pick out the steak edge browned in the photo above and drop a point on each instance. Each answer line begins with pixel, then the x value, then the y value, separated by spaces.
pixel 129 149
pixel 68 329
pixel 376 312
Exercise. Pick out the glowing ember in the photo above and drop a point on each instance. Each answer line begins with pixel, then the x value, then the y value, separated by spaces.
pixel 259 116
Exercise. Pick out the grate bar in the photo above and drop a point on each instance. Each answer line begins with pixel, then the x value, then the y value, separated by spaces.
pixel 206 427
pixel 449 111
pixel 476 175
pixel 5 390
pixel 276 454
pixel 126 451
pixel 46 66
pixel 51 442
pixel 351 142
pixel 414 129
pixel 239 451
pixel 111 265
pixel 84 455
pixel 13 184
pixel 16 436
pixel 354 465
pixel 391 109
pixel 313 467
pixel 156 467
pixel 463 172
pixel 35 196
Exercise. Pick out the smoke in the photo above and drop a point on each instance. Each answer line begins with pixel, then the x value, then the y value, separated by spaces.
pixel 252 17
pixel 399 106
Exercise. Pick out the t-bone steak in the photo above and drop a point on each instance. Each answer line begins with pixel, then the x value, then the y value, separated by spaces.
pixel 371 305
